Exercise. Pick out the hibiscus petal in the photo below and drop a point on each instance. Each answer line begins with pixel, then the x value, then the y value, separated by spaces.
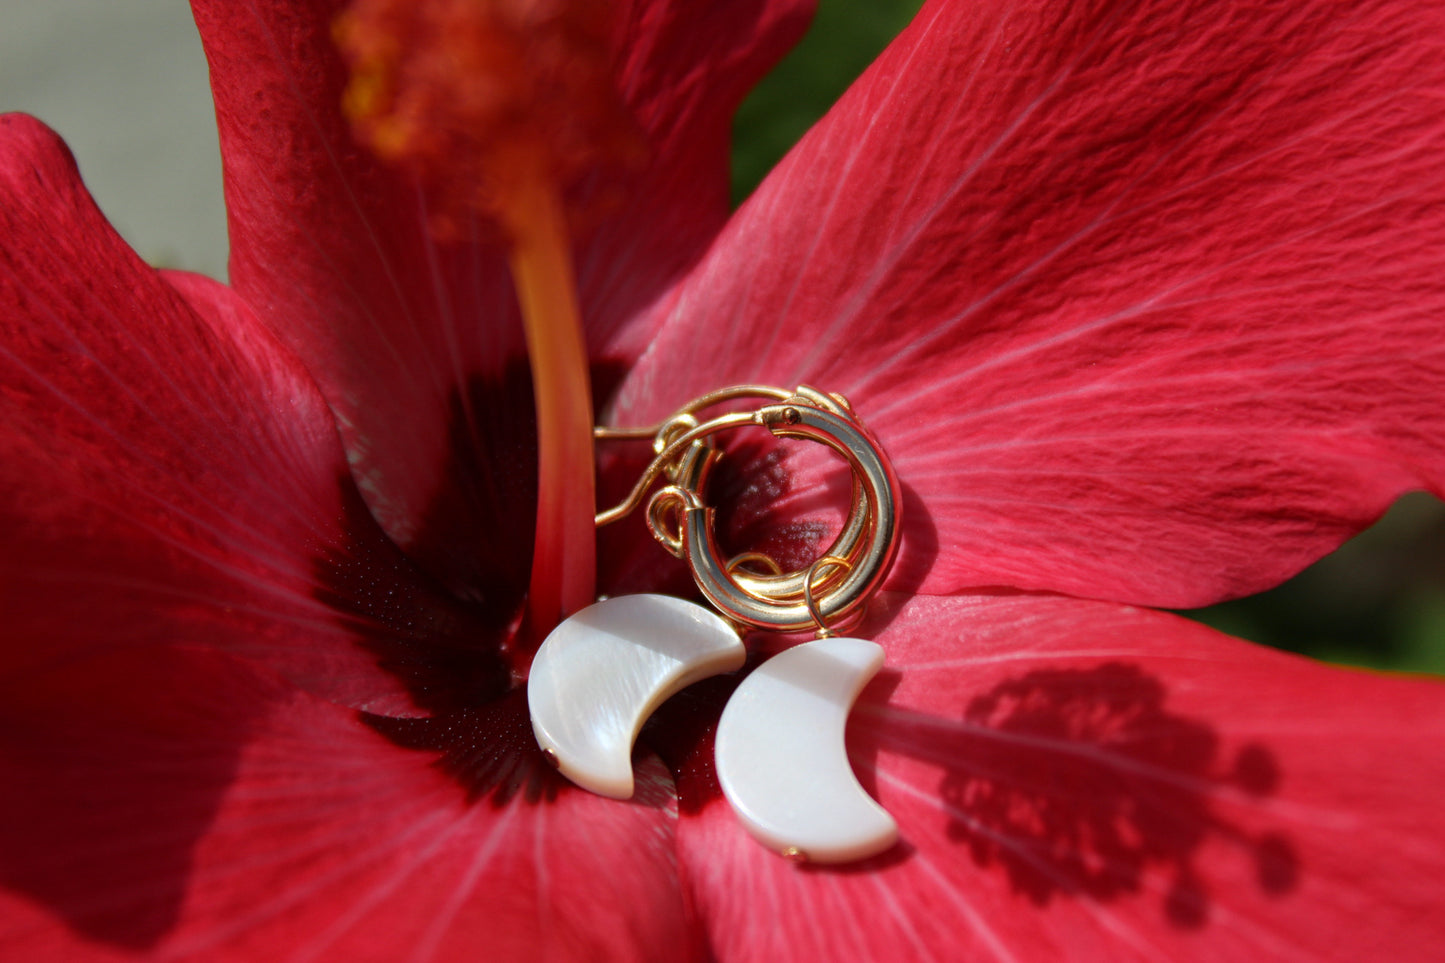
pixel 1084 780
pixel 683 69
pixel 169 472
pixel 416 343
pixel 180 803
pixel 1143 299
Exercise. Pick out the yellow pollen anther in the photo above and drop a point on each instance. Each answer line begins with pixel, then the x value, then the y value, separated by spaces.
pixel 472 96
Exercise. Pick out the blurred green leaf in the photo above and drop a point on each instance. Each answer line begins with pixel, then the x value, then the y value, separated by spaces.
pixel 846 36
pixel 1378 601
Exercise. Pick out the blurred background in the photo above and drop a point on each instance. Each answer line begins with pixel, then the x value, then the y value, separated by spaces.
pixel 125 84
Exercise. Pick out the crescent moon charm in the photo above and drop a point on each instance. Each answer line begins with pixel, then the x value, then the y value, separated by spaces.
pixel 781 760
pixel 602 672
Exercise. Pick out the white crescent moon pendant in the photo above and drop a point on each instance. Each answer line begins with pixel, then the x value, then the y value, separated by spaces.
pixel 602 672
pixel 782 762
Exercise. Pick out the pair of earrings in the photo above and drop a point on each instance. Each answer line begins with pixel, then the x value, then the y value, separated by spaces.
pixel 779 749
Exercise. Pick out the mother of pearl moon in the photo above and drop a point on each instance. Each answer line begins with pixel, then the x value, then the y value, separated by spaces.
pixel 602 672
pixel 781 760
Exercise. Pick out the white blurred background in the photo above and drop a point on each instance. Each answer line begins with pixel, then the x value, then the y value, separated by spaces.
pixel 124 82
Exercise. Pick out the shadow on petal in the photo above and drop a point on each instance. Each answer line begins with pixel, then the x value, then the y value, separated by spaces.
pixel 1081 783
pixel 445 653
pixel 111 773
pixel 488 750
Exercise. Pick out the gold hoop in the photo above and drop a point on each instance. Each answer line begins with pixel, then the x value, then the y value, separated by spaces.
pixel 788 602
pixel 684 456
pixel 737 561
pixel 824 631
pixel 867 559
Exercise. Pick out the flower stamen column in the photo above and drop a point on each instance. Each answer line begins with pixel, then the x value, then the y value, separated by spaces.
pixel 563 556
pixel 496 107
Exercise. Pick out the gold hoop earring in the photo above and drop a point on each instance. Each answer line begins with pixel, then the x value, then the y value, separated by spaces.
pixel 601 672
pixel 779 604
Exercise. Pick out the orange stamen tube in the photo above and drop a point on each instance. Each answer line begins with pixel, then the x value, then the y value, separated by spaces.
pixel 564 554
pixel 496 106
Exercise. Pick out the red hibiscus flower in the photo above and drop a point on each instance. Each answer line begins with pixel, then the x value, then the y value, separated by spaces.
pixel 1144 300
